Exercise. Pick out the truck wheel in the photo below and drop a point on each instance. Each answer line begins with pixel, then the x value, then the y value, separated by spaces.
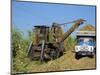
pixel 77 56
pixel 91 56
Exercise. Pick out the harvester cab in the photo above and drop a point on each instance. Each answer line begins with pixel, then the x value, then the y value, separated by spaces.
pixel 41 34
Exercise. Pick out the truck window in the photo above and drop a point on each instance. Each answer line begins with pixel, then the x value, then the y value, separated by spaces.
pixel 85 41
pixel 80 41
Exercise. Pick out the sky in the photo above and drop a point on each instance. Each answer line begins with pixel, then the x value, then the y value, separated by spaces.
pixel 27 14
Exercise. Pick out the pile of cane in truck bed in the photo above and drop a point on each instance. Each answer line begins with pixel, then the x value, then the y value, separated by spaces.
pixel 88 28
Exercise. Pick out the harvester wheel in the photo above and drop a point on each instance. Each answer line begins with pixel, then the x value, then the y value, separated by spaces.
pixel 53 54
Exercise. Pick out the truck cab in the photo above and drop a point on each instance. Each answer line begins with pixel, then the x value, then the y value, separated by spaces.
pixel 85 44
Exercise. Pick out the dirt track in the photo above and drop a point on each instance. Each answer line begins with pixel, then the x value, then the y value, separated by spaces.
pixel 66 62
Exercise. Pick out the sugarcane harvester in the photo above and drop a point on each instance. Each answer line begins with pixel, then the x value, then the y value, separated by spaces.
pixel 43 49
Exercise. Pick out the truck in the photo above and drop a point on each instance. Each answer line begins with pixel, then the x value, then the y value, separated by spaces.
pixel 85 44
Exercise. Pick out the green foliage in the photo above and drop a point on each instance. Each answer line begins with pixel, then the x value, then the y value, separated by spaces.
pixel 69 43
pixel 16 40
pixel 31 36
pixel 19 49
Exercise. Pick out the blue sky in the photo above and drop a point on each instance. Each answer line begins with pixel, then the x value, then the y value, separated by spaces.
pixel 27 14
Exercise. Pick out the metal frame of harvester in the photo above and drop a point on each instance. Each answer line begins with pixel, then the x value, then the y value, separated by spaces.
pixel 43 49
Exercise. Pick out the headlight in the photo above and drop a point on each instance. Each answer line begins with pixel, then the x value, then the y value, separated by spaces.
pixel 91 48
pixel 76 48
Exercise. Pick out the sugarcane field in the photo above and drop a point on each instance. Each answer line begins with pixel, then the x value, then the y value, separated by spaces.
pixel 59 44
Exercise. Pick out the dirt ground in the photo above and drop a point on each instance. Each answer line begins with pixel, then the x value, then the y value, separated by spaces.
pixel 65 62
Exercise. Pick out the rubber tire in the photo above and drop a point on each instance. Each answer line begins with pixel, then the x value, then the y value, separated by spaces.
pixel 53 54
pixel 91 56
pixel 77 56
